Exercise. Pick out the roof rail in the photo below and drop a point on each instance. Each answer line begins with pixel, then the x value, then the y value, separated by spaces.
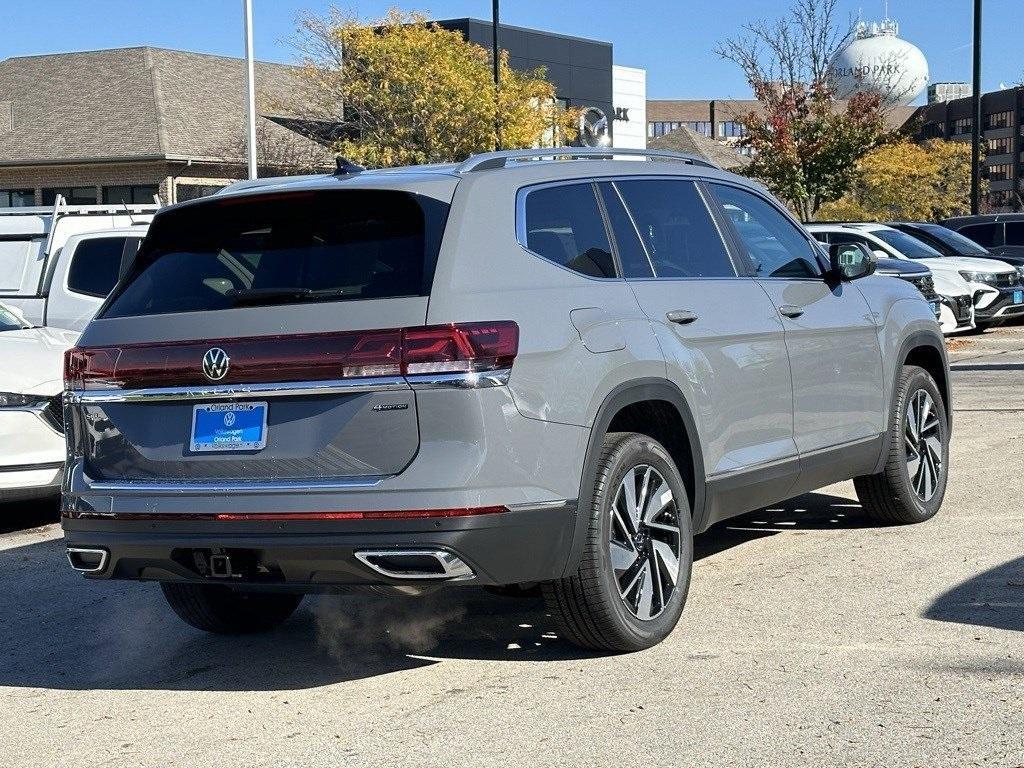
pixel 490 160
pixel 62 208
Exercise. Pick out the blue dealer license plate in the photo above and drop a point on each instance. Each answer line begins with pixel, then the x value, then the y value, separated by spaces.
pixel 229 427
pixel 1018 297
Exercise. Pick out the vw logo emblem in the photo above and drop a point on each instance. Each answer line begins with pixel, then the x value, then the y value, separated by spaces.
pixel 229 419
pixel 215 364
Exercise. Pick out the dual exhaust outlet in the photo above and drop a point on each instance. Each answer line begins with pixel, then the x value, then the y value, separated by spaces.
pixel 427 564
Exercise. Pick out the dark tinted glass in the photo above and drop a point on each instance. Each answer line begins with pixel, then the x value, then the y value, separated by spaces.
pixel 289 248
pixel 95 266
pixel 676 228
pixel 1015 233
pixel 564 225
pixel 631 251
pixel 847 237
pixel 137 193
pixel 72 195
pixel 775 246
pixel 983 234
pixel 957 244
pixel 909 246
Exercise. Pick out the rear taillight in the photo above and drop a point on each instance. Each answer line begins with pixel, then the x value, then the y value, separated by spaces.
pixel 465 347
pixel 456 348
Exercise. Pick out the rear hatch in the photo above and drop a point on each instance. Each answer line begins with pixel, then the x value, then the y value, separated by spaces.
pixel 258 337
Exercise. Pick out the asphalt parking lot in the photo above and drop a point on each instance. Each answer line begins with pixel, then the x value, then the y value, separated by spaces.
pixel 811 638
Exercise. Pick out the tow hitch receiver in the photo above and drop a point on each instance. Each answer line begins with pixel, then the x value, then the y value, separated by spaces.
pixel 220 566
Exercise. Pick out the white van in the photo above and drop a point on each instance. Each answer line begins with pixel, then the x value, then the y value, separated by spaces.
pixel 58 264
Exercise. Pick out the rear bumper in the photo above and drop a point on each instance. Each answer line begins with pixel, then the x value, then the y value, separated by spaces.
pixel 519 545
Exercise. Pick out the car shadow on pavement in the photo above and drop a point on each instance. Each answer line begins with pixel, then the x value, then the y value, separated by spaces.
pixel 64 632
pixel 994 598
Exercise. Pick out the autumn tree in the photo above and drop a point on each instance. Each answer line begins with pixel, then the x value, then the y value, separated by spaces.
pixel 805 142
pixel 907 181
pixel 407 91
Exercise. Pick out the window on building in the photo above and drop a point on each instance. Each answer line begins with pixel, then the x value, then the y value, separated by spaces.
pixel 130 193
pixel 658 128
pixel 183 192
pixel 17 198
pixel 676 228
pixel 999 119
pixel 934 130
pixel 95 265
pixel 1000 172
pixel 776 247
pixel 731 129
pixel 71 195
pixel 1001 146
pixel 960 126
pixel 564 225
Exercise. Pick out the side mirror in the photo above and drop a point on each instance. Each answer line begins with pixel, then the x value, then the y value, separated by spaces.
pixel 850 261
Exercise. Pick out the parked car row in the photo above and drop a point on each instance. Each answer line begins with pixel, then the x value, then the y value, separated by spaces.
pixel 975 290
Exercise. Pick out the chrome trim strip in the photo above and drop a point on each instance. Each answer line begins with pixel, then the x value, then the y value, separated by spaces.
pixel 453 567
pixel 231 391
pixel 220 486
pixel 478 380
pixel 530 505
pixel 460 380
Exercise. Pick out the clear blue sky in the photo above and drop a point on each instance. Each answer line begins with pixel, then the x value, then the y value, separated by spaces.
pixel 673 40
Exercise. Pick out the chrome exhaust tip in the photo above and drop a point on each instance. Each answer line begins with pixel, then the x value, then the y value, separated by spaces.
pixel 436 564
pixel 88 559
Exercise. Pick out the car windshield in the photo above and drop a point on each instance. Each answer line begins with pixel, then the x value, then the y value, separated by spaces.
pixel 11 321
pixel 909 246
pixel 962 245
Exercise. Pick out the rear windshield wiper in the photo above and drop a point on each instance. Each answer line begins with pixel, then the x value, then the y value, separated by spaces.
pixel 264 296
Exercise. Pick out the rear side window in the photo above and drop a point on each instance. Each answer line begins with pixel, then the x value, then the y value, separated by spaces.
pixel 95 265
pixel 676 228
pixel 775 246
pixel 983 234
pixel 1015 233
pixel 563 224
pixel 288 248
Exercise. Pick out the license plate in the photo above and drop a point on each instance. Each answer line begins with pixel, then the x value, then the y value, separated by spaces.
pixel 936 307
pixel 229 427
pixel 1018 297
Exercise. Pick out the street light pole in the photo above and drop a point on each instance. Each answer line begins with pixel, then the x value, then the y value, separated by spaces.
pixel 250 91
pixel 496 63
pixel 976 112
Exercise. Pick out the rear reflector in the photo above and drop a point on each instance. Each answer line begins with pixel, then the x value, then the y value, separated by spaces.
pixel 394 514
pixel 462 347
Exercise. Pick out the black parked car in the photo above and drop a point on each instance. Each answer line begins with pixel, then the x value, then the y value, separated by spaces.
pixel 1001 233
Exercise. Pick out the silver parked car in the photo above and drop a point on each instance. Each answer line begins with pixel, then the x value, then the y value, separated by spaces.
pixel 543 366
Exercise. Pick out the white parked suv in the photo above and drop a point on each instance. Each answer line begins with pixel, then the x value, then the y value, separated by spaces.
pixel 957 312
pixel 31 415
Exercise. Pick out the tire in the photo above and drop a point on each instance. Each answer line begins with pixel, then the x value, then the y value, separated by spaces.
pixel 224 611
pixel 894 495
pixel 600 606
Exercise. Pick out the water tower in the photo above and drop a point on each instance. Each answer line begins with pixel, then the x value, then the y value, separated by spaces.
pixel 877 60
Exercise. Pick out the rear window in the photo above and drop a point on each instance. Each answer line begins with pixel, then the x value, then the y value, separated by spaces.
pixel 289 248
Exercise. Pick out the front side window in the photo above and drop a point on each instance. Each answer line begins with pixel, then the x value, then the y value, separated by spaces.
pixel 1015 233
pixel 983 234
pixel 906 244
pixel 675 228
pixel 776 247
pixel 564 225
pixel 961 245
pixel 95 266
pixel 287 248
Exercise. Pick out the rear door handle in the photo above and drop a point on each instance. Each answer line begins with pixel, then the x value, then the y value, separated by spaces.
pixel 791 310
pixel 681 316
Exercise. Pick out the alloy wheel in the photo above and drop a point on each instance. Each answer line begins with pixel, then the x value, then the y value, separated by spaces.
pixel 644 541
pixel 922 437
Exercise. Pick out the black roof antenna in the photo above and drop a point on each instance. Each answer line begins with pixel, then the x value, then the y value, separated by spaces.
pixel 346 166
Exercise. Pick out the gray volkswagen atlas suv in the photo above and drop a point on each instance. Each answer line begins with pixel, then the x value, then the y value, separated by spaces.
pixel 541 367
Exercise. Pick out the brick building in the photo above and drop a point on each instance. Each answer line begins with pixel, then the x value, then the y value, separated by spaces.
pixel 126 124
